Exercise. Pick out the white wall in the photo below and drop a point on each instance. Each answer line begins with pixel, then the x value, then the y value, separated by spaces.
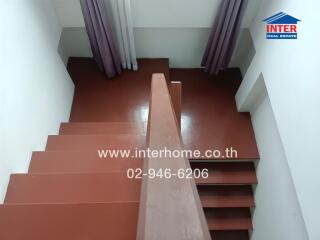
pixel 158 14
pixel 35 89
pixel 149 44
pixel 150 13
pixel 177 29
pixel 174 13
pixel 291 77
pixel 277 215
pixel 244 52
pixel 166 42
pixel 69 13
pixel 80 47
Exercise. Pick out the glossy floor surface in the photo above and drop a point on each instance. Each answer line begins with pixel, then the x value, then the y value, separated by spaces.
pixel 210 119
pixel 209 116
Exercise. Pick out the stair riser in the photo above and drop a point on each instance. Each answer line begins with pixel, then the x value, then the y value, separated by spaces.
pixel 101 128
pixel 95 142
pixel 72 188
pixel 69 221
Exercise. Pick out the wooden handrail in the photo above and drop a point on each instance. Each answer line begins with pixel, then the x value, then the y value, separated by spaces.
pixel 170 209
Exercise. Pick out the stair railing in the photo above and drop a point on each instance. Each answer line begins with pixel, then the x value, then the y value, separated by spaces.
pixel 170 207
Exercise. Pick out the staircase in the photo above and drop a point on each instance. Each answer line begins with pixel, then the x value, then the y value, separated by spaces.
pixel 227 197
pixel 71 193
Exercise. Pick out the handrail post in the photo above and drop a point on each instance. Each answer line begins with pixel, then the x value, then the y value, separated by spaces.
pixel 175 92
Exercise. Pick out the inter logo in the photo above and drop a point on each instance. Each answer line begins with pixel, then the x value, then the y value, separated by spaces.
pixel 281 26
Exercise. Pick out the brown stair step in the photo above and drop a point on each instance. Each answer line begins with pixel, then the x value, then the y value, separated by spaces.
pixel 116 221
pixel 79 128
pixel 79 162
pixel 228 218
pixel 95 142
pixel 227 172
pixel 72 188
pixel 217 196
pixel 230 235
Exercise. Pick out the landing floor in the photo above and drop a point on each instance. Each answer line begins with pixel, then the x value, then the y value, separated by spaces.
pixel 209 116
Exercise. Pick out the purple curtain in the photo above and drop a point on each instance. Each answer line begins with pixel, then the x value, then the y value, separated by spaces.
pixel 100 36
pixel 223 35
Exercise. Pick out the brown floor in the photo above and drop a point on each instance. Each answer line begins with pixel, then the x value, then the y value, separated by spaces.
pixel 124 98
pixel 209 116
pixel 210 119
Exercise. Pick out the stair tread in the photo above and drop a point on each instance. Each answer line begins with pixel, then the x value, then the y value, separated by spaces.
pixel 79 128
pixel 95 142
pixel 230 235
pixel 228 218
pixel 227 173
pixel 117 221
pixel 226 196
pixel 79 161
pixel 72 188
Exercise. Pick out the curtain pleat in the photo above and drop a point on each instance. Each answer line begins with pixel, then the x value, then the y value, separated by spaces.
pixel 223 36
pixel 100 35
pixel 124 32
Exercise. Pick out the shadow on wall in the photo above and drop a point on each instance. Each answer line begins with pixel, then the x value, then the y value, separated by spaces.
pixel 244 52
pixel 74 42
